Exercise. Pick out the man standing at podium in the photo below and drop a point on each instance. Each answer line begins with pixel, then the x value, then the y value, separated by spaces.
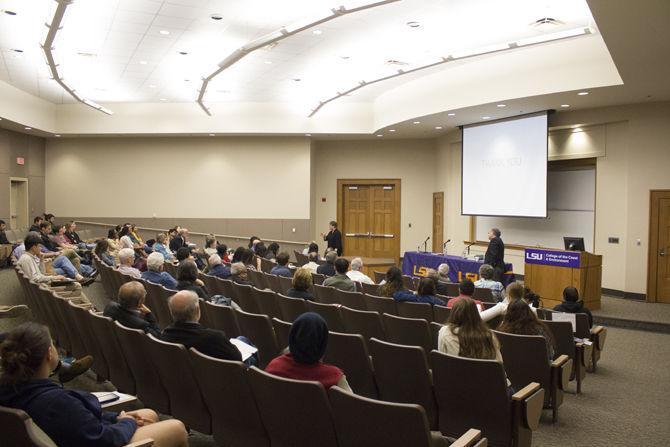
pixel 495 254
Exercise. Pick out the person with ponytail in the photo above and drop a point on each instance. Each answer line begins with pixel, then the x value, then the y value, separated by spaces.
pixel 70 417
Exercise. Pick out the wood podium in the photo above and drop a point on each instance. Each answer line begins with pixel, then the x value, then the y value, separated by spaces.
pixel 548 281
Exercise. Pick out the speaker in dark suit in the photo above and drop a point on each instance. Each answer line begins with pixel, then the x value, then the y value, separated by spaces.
pixel 495 254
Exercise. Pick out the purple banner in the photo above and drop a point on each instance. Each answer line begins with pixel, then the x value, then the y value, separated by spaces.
pixel 416 263
pixel 568 259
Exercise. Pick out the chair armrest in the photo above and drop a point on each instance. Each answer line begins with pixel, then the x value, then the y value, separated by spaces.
pixel 143 443
pixel 526 392
pixel 527 406
pixel 599 334
pixel 562 367
pixel 467 439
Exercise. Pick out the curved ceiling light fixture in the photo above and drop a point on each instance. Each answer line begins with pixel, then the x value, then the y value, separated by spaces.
pixel 462 55
pixel 276 36
pixel 48 49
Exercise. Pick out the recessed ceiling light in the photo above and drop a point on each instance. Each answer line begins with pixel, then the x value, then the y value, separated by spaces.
pixel 577 129
pixel 187 80
pixel 183 53
pixel 296 79
pixel 57 135
pixel 211 134
pixel 308 134
pixel 317 32
pixel 565 105
pixel 17 50
pixel 391 130
pixel 345 57
pixel 86 54
pixel 152 85
pixel 486 117
pixel 268 62
pixel 216 17
pixel 143 62
pixel 28 128
pixel 413 24
pixel 502 105
pixel 416 122
pixel 9 13
pixel 451 114
pixel 380 135
pixel 163 99
pixel 438 127
pixel 164 32
pixel 583 93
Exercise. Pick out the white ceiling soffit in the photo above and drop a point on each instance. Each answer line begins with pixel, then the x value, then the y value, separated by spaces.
pixel 277 36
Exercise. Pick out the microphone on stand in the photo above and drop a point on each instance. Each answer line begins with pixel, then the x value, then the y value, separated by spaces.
pixel 425 244
pixel 467 249
pixel 444 246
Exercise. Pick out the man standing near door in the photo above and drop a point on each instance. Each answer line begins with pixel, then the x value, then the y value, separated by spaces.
pixel 333 239
pixel 495 254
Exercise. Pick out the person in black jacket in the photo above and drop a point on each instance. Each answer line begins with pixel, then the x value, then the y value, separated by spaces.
pixel 333 239
pixel 130 310
pixel 328 268
pixel 187 330
pixel 300 285
pixel 573 305
pixel 495 254
pixel 187 279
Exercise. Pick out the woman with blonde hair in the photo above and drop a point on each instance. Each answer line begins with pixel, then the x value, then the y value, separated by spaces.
pixel 301 285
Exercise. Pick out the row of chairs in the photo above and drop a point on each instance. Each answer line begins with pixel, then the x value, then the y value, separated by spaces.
pixel 223 398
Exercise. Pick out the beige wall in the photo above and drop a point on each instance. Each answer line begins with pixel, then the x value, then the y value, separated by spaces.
pixel 411 161
pixel 247 178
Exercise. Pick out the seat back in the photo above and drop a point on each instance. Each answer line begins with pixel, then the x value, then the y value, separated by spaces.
pixel 157 300
pixel 231 403
pixel 366 323
pixel 290 308
pixel 266 302
pixel 257 279
pixel 245 298
pixel 330 313
pixel 441 314
pixel 58 325
pixel 582 328
pixel 120 373
pixel 408 331
pixel 174 368
pixel 472 393
pixel 222 318
pixel 483 294
pixel 563 337
pixel 369 289
pixel 324 294
pixel 300 258
pixel 294 413
pixel 452 289
pixel 267 265
pixel 282 330
pixel 79 349
pixel 415 310
pixel 258 328
pixel 150 389
pixel 381 304
pixel 379 276
pixel 363 422
pixel 350 354
pixel 274 282
pixel 213 284
pixel 19 430
pixel 403 376
pixel 94 344
pixel 353 300
pixel 285 283
pixel 435 332
pixel 408 282
pixel 228 290
pixel 318 278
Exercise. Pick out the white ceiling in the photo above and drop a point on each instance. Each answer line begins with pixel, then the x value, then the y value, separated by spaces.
pixel 113 50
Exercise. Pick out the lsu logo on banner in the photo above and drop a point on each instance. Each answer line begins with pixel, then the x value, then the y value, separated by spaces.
pixel 420 271
pixel 468 275
pixel 534 256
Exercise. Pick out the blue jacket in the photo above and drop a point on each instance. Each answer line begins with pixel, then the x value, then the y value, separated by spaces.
pixel 160 248
pixel 68 417
pixel 220 271
pixel 406 295
pixel 281 270
pixel 163 278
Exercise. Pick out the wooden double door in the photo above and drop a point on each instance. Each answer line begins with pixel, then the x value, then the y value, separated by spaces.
pixel 369 217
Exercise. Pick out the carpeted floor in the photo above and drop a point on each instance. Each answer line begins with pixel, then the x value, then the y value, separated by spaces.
pixel 635 310
pixel 626 403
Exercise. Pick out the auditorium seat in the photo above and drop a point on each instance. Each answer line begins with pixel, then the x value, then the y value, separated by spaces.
pixel 441 314
pixel 484 295
pixel 300 259
pixel 407 331
pixel 222 318
pixel 267 265
pixel 236 421
pixel 213 284
pixel 353 300
pixel 57 325
pixel 171 269
pixel 245 298
pixel 93 344
pixel 157 300
pixel 294 413
pixel 379 276
pixel 266 302
pixel 318 278
pixel 435 333
pixel 273 282
pixel 526 360
pixel 402 375
pixel 473 393
pixel 285 283
pixel 324 294
pixel 79 349
pixel 282 329
pixel 258 328
pixel 290 308
pixel 370 289
pixel 380 304
pixel 228 290
pixel 176 373
pixel 364 422
pixel 578 352
pixel 257 278
pixel 120 372
pixel 452 289
pixel 415 310
pixel 134 345
pixel 366 323
pixel 330 313
pixel 597 334
pixel 350 354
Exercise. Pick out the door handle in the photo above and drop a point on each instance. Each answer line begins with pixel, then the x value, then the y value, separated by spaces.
pixel 383 235
pixel 662 252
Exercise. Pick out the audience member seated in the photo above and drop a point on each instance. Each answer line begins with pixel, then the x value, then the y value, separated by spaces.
pixel 216 267
pixel 183 254
pixel 312 265
pixel 531 297
pixel 102 251
pixel 71 418
pixel 248 259
pixel 328 269
pixel 125 241
pixel 113 241
pixel 573 305
pixel 134 236
pixel 238 273
pixel 312 247
pixel 222 251
pixel 3 235
pixel 392 283
pixel 301 285
pixel 260 250
pixel 486 281
pixel 273 251
pixel 237 255
pixel 187 279
pixel 29 260
pixel 161 247
pixel 126 260
pixel 442 279
pixel 307 342
pixel 281 269
pixel 130 310
pixel 177 240
pixel 340 280
pixel 253 240
pixel 5 245
pixel 50 219
pixel 466 335
pixel 36 224
pixel 355 273
pixel 425 293
pixel 466 289
pixel 187 330
pixel 514 292
pixel 155 273
pixel 73 237
pixel 520 320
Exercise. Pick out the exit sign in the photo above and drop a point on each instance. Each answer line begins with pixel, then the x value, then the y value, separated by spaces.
pixel 20 161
